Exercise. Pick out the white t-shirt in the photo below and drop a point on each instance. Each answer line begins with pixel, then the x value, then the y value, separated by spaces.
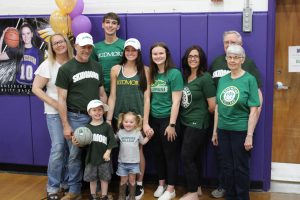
pixel 129 146
pixel 49 71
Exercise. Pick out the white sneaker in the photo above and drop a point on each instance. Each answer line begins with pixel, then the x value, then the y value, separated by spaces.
pixel 167 195
pixel 159 191
pixel 218 193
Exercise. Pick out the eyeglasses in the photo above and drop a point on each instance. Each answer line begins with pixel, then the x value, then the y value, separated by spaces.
pixel 234 58
pixel 55 44
pixel 230 42
pixel 196 57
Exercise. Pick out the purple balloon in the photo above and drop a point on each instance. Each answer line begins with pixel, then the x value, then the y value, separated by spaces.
pixel 78 9
pixel 81 24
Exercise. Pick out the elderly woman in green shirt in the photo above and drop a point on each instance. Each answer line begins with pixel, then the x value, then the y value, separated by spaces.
pixel 235 121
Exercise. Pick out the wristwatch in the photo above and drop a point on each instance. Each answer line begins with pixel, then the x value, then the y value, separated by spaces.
pixel 172 125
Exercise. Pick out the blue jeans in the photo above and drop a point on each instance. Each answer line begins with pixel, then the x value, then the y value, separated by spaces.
pixel 74 162
pixel 57 159
pixel 124 169
pixel 236 164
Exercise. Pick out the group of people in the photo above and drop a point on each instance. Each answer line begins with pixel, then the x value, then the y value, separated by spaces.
pixel 158 103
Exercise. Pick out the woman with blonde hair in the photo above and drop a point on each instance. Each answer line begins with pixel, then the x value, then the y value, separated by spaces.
pixel 59 52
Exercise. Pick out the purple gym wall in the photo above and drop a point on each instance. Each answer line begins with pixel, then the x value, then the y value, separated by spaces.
pixel 24 135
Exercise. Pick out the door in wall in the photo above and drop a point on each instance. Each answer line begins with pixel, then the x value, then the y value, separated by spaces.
pixel 286 118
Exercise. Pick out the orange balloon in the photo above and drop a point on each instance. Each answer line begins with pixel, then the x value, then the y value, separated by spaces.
pixel 66 6
pixel 60 22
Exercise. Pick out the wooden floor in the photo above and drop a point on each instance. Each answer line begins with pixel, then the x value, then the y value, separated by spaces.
pixel 32 187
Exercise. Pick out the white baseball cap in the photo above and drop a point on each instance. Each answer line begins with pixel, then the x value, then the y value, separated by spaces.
pixel 84 39
pixel 133 42
pixel 95 103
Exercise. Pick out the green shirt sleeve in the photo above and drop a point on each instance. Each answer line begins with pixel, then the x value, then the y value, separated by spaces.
pixel 62 79
pixel 209 88
pixel 112 142
pixel 253 99
pixel 176 80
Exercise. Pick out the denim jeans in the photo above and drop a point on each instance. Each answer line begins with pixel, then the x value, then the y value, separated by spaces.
pixel 57 159
pixel 236 164
pixel 74 163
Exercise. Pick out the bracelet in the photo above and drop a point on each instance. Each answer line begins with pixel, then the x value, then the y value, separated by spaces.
pixel 250 135
pixel 172 125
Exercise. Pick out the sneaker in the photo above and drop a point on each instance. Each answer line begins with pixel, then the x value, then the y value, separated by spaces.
pixel 167 195
pixel 139 192
pixel 159 191
pixel 53 196
pixel 218 193
pixel 71 196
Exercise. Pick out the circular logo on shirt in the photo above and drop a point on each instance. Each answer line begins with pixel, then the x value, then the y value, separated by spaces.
pixel 230 96
pixel 186 99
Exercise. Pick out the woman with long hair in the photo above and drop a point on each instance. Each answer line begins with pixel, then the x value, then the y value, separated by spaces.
pixel 198 101
pixel 130 92
pixel 59 52
pixel 166 91
pixel 28 56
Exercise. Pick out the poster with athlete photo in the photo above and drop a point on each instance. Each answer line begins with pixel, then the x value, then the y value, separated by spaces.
pixel 22 50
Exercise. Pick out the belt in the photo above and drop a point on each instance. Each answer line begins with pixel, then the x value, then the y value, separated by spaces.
pixel 78 111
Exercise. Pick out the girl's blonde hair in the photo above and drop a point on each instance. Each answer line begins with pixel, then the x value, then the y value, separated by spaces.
pixel 138 119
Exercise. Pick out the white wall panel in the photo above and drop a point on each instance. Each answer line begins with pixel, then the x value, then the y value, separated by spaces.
pixel 46 7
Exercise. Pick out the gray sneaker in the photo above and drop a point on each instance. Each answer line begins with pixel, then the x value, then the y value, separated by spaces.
pixel 218 193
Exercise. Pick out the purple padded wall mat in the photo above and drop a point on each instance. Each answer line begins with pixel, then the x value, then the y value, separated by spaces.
pixel 16 138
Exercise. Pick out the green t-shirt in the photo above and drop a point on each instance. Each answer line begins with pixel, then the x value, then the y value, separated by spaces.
pixel 161 92
pixel 108 55
pixel 129 97
pixel 234 99
pixel 103 139
pixel 194 107
pixel 219 68
pixel 82 80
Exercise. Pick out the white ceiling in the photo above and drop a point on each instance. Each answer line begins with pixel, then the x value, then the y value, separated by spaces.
pixel 46 7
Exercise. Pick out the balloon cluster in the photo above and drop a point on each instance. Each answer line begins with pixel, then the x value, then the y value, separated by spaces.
pixel 69 19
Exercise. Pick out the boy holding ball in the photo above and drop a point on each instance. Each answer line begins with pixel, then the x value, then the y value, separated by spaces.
pixel 98 152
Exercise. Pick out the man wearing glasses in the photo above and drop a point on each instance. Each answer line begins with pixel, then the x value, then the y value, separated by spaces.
pixel 218 69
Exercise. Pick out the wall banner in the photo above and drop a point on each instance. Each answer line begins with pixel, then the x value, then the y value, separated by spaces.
pixel 22 50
